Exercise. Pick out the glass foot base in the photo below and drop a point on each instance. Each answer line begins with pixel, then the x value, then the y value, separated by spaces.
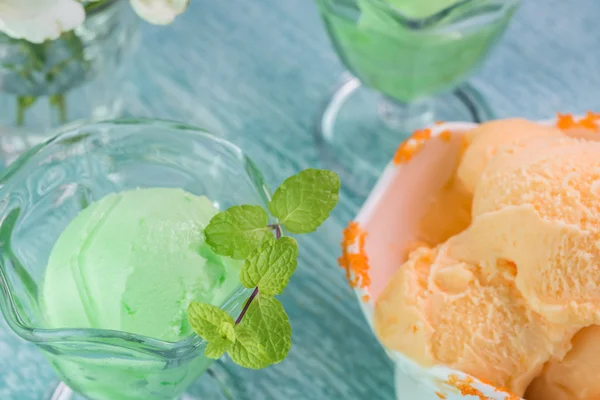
pixel 217 383
pixel 63 392
pixel 360 130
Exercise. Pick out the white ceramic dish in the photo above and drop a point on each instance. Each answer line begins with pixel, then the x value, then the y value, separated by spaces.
pixel 397 197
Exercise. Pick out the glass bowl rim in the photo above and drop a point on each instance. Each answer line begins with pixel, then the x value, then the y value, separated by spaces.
pixel 114 338
pixel 426 22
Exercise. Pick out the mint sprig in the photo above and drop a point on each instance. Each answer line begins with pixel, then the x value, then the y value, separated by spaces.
pixel 238 230
pixel 262 335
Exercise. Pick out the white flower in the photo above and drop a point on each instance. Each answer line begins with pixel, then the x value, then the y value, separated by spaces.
pixel 39 20
pixel 160 12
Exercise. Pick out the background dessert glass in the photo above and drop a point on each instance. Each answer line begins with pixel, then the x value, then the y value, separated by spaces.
pixel 46 188
pixel 408 62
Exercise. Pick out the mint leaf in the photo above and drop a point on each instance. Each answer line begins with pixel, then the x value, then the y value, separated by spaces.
pixel 216 349
pixel 213 325
pixel 210 322
pixel 237 231
pixel 248 351
pixel 267 318
pixel 270 266
pixel 304 201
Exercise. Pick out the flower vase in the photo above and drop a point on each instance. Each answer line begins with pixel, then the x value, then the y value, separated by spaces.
pixel 75 77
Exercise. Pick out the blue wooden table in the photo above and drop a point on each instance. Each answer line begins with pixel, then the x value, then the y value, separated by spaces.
pixel 258 72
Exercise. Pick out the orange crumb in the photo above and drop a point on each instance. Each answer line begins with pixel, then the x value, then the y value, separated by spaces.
pixel 361 244
pixel 489 383
pixel 593 115
pixel 411 146
pixel 590 121
pixel 465 387
pixel 422 134
pixel 365 298
pixel 565 121
pixel 438 122
pixel 509 395
pixel 498 389
pixel 356 263
pixel 440 395
pixel 415 329
pixel 445 135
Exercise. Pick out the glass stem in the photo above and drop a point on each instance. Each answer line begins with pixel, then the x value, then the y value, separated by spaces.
pixel 62 392
pixel 58 102
pixel 406 117
pixel 23 103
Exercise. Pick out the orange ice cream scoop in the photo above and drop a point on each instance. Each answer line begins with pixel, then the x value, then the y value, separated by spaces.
pixel 485 140
pixel 576 376
pixel 540 206
pixel 437 310
pixel 447 213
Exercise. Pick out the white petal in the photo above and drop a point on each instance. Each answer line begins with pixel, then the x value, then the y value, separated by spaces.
pixel 38 20
pixel 160 12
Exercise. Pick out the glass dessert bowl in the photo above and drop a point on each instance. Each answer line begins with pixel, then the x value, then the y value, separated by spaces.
pixel 50 184
pixel 456 299
pixel 408 60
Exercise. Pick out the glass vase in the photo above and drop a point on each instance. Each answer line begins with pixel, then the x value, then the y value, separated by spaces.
pixel 77 76
pixel 49 185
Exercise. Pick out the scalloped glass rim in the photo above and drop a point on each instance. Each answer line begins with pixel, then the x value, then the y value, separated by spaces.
pixel 144 344
pixel 421 23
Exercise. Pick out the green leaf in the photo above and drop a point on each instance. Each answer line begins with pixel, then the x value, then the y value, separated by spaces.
pixel 210 322
pixel 237 231
pixel 227 330
pixel 267 318
pixel 216 349
pixel 213 325
pixel 305 200
pixel 271 266
pixel 248 351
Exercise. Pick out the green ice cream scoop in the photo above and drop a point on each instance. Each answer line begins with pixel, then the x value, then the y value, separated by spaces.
pixel 133 261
